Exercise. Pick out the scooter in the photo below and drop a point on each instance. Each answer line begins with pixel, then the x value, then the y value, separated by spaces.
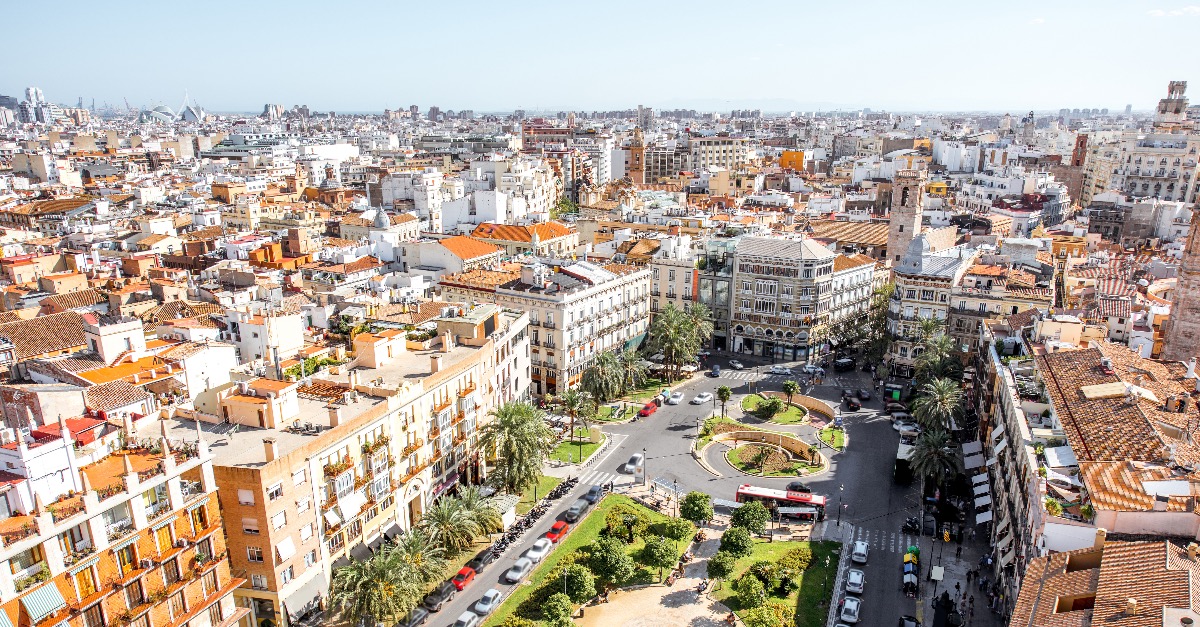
pixel 911 525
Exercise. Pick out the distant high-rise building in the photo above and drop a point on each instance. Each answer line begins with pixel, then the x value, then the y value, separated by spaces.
pixel 1128 109
pixel 1104 111
pixel 434 113
pixel 414 111
pixel 8 102
pixel 33 95
pixel 645 117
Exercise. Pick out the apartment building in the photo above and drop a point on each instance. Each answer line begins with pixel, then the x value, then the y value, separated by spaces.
pixel 312 472
pixel 924 284
pixel 105 527
pixel 989 292
pixel 722 151
pixel 1163 163
pixel 549 239
pixel 577 310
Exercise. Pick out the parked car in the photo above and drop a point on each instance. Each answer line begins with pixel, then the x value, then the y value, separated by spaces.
pixel 635 462
pixel 438 597
pixel 519 570
pixel 848 393
pixel 906 426
pixel 784 370
pixel 864 395
pixel 540 549
pixel 467 619
pixel 558 531
pixel 898 416
pixel 702 398
pixel 675 398
pixel 735 364
pixel 416 617
pixel 853 404
pixel 595 493
pixel 649 408
pixel 855 580
pixel 850 610
pixel 482 559
pixel 894 406
pixel 843 365
pixel 858 554
pixel 908 621
pixel 488 602
pixel 463 577
pixel 798 486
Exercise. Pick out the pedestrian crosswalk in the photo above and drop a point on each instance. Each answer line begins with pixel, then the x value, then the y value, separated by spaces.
pixel 599 477
pixel 885 541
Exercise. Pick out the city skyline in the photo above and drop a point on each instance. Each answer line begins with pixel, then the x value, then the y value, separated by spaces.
pixel 934 57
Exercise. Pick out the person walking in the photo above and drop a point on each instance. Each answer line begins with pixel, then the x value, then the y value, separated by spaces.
pixel 958 552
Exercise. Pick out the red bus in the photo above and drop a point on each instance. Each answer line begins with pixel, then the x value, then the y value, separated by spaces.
pixel 802 505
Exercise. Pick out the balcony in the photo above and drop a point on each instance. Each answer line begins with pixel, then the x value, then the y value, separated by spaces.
pixel 116 529
pixel 157 509
pixel 548 324
pixel 441 405
pixel 30 576
pixel 467 390
pixel 413 448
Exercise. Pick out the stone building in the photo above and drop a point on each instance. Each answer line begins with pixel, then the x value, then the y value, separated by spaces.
pixel 905 214
pixel 1182 341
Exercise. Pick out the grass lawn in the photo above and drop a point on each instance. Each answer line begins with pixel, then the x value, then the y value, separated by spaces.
pixel 748 466
pixel 545 485
pixel 652 386
pixel 606 413
pixel 807 601
pixel 581 536
pixel 833 437
pixel 568 451
pixel 791 416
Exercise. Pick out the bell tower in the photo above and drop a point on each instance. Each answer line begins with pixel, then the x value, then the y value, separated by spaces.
pixel 904 215
pixel 1181 342
pixel 636 167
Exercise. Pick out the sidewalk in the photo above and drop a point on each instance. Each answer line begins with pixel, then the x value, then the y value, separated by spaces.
pixel 945 554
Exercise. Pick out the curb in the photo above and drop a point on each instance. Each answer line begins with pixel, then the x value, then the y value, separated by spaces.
pixel 824 468
pixel 698 455
pixel 827 466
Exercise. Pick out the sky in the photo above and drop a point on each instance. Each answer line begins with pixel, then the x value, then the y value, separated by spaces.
pixel 776 55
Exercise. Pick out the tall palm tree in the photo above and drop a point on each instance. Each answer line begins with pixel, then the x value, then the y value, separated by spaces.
pixel 679 334
pixel 938 401
pixel 790 388
pixel 928 327
pixel 450 525
pixel 576 406
pixel 486 516
pixel 632 371
pixel 723 395
pixel 416 553
pixel 932 457
pixel 378 590
pixel 519 441
pixel 937 358
pixel 602 378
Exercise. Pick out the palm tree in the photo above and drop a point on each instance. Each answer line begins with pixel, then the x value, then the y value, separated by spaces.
pixel 790 388
pixel 486 516
pixel 937 358
pixel 932 458
pixel 519 441
pixel 576 406
pixel 633 370
pixel 679 334
pixel 723 395
pixel 602 378
pixel 450 525
pixel 938 401
pixel 928 327
pixel 378 590
pixel 416 553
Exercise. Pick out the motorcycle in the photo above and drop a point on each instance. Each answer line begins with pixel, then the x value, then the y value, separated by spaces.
pixel 911 525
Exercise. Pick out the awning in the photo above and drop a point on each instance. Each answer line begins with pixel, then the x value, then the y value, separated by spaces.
pixel 352 504
pixel 360 552
pixel 376 543
pixel 1001 446
pixel 1058 476
pixel 983 500
pixel 998 431
pixel 285 548
pixel 340 562
pixel 1007 558
pixel 1060 457
pixel 1004 542
pixel 392 531
pixel 43 601
pixel 446 485
pixel 332 519
pixel 4 622
pixel 1003 524
pixel 979 478
pixel 983 517
pixel 972 447
pixel 307 597
pixel 937 573
pixel 974 461
pixel 991 461
pixel 726 504
pixel 981 489
pixel 910 578
pixel 796 510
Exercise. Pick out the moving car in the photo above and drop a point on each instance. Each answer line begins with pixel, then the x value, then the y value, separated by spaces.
pixel 488 602
pixel 780 370
pixel 634 463
pixel 540 549
pixel 438 597
pixel 853 404
pixel 850 609
pixel 894 406
pixel 482 559
pixel 650 408
pixel 735 364
pixel 798 486
pixel 675 398
pixel 843 365
pixel 416 617
pixel 519 570
pixel 465 575
pixel 702 398
pixel 716 371
pixel 858 554
pixel 594 494
pixel 906 425
pixel 467 619
pixel 576 510
pixel 558 531
pixel 855 579
pixel 864 395
pixel 848 393
pixel 813 369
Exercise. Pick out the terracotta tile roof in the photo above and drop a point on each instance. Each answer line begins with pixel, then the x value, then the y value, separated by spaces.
pixel 846 262
pixel 980 269
pixel 468 248
pixel 58 205
pixel 74 300
pixel 866 233
pixel 514 233
pixel 410 314
pixel 45 334
pixel 114 394
pixel 9 316
pixel 1117 486
pixel 482 278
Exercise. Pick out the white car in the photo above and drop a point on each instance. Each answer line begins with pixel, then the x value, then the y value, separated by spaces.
pixel 780 370
pixel 467 619
pixel 735 364
pixel 519 570
pixel 906 425
pixel 858 554
pixel 855 579
pixel 813 369
pixel 850 609
pixel 702 398
pixel 489 602
pixel 675 398
pixel 539 550
pixel 634 463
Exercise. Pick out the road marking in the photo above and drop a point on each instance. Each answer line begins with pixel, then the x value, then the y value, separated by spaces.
pixel 599 477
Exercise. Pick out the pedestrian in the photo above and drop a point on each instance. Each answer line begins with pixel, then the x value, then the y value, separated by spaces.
pixel 958 552
pixel 957 588
pixel 972 533
pixel 970 574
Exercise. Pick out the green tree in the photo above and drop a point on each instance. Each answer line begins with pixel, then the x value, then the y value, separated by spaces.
pixel 752 517
pixel 790 389
pixel 677 528
pixel 377 590
pixel 601 380
pixel 610 562
pixel 737 541
pixel 750 592
pixel 623 519
pixel 581 583
pixel 773 614
pixel 937 358
pixel 937 404
pixel 932 457
pixel 564 206
pixel 518 441
pixel 633 370
pixel 770 407
pixel 679 334
pixel 485 515
pixel 576 406
pixel 723 395
pixel 721 565
pixel 658 552
pixel 878 337
pixel 696 507
pixel 557 607
pixel 450 525
pixel 927 328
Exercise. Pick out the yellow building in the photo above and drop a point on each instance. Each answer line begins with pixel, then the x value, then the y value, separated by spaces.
pixel 937 188
pixel 792 160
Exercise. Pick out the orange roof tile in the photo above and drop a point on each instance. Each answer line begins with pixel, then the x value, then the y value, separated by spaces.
pixel 465 247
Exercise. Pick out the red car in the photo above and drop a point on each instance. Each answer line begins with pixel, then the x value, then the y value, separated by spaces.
pixel 557 532
pixel 464 577
pixel 650 408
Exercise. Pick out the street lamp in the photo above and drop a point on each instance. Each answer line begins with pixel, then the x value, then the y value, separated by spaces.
pixel 841 491
pixel 675 489
pixel 645 468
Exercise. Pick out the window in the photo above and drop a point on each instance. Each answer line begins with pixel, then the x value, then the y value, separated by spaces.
pixel 250 526
pixel 245 497
pixel 306 532
pixel 279 520
pixel 910 293
pixel 210 583
pixel 310 558
pixel 93 616
pixel 85 583
pixel 178 607
pixel 344 484
pixel 125 560
pixel 302 505
pixel 170 570
pixel 656 274
pixel 275 492
pixel 215 615
pixel 258 582
pixel 254 553
pixel 162 536
pixel 135 595
pixel 286 575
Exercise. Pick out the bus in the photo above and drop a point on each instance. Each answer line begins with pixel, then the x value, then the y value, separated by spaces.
pixel 802 505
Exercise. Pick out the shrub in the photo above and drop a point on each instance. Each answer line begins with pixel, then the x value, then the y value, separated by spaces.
pixel 765 571
pixel 677 528
pixel 558 606
pixel 696 507
pixel 769 407
pixel 773 614
pixel 625 521
pixel 752 516
pixel 512 620
pixel 797 559
pixel 788 580
pixel 737 542
pixel 720 566
pixel 750 592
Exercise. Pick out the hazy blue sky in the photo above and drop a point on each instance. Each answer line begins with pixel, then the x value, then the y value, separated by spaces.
pixel 774 54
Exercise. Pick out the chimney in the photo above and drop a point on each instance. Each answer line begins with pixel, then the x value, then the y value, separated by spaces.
pixel 1192 549
pixel 435 363
pixel 271 449
pixel 447 342
pixel 1101 535
pixel 1191 373
pixel 1131 606
pixel 335 416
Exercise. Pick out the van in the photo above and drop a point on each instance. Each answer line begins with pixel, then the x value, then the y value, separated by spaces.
pixel 843 365
pixel 716 370
pixel 576 510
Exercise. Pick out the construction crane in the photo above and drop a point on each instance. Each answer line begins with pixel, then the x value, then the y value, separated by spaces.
pixel 127 107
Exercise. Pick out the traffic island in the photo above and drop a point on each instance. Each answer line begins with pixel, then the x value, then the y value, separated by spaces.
pixel 768 460
pixel 726 430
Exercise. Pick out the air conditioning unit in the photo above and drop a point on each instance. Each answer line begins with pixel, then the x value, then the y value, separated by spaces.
pixel 181 543
pixel 146 563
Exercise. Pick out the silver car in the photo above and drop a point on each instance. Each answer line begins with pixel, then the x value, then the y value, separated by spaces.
pixel 488 602
pixel 702 398
pixel 855 579
pixel 850 609
pixel 634 463
pixel 539 550
pixel 519 570
pixel 858 554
